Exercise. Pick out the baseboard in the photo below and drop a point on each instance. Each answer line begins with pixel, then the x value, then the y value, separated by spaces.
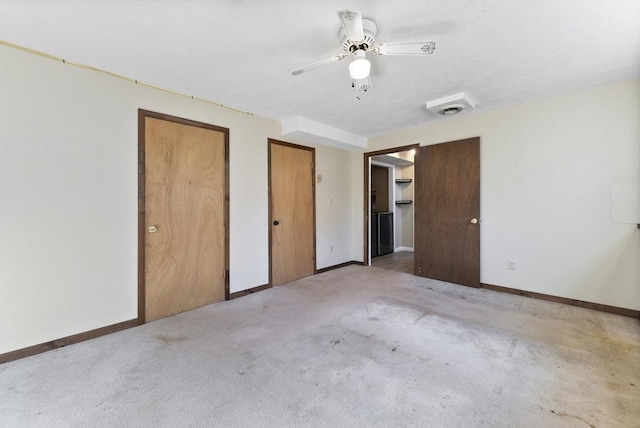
pixel 265 286
pixel 573 302
pixel 404 249
pixel 341 265
pixel 248 291
pixel 69 340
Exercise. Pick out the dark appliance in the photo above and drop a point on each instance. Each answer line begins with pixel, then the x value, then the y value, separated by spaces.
pixel 381 233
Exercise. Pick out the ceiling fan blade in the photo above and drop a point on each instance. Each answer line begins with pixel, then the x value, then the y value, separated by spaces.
pixel 406 48
pixel 316 64
pixel 352 24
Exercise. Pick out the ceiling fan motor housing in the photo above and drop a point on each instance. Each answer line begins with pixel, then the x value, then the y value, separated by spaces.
pixel 370 30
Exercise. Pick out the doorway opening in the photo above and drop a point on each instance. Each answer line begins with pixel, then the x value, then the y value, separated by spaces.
pixel 388 208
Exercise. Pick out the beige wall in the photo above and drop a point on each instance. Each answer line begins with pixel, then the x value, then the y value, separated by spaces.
pixel 404 213
pixel 68 196
pixel 548 168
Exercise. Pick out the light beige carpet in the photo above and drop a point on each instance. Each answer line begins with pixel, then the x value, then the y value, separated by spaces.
pixel 353 347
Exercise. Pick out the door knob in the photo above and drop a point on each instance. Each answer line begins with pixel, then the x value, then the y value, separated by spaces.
pixel 474 221
pixel 152 229
pixel 276 222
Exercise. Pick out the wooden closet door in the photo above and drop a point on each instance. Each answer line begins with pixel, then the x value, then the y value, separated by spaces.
pixel 185 224
pixel 291 200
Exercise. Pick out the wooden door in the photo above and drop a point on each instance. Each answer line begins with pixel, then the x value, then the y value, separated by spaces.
pixel 447 212
pixel 183 226
pixel 292 212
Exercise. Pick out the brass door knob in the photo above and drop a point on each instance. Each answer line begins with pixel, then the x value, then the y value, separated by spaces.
pixel 152 229
pixel 474 221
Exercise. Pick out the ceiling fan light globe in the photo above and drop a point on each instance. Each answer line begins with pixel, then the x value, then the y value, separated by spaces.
pixel 359 68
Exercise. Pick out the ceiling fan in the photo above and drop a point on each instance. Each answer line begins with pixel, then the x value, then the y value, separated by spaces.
pixel 358 37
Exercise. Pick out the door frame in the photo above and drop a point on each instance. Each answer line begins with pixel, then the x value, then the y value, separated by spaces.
pixel 271 141
pixel 367 189
pixel 142 115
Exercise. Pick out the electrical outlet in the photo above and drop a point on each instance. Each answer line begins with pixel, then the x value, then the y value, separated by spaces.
pixel 332 248
pixel 319 178
pixel 511 265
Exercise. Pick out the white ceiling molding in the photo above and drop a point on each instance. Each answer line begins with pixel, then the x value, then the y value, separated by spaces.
pixel 315 132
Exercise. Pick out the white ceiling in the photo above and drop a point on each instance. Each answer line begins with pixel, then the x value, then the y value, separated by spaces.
pixel 241 53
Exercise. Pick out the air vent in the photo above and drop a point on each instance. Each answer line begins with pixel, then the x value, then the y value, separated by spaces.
pixel 451 105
